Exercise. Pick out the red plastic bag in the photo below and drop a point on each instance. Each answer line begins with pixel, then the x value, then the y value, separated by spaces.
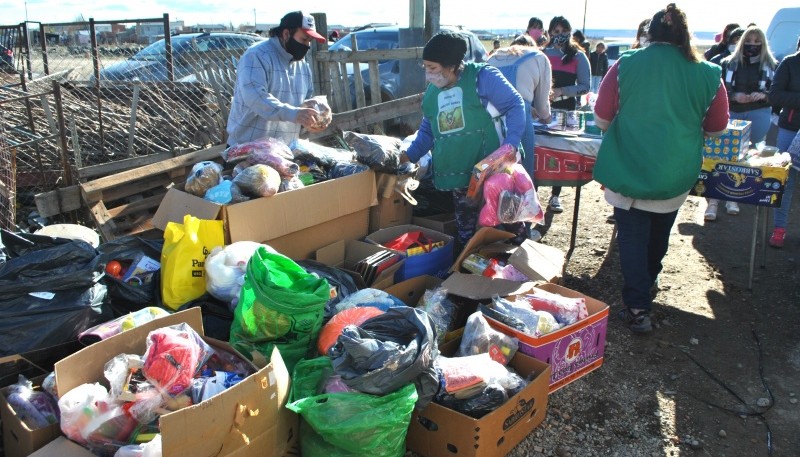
pixel 174 354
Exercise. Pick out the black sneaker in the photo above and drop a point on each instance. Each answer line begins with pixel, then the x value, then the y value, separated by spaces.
pixel 638 323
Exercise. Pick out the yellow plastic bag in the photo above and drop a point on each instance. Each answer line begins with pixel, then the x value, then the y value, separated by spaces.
pixel 183 258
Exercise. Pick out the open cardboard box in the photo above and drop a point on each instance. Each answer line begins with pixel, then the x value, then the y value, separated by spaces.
pixel 437 431
pixel 18 439
pixel 248 419
pixel 295 223
pixel 572 351
pixel 444 222
pixel 433 263
pixel 539 262
pixel 346 254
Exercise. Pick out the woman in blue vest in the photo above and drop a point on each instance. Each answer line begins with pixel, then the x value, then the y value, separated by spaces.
pixel 655 103
pixel 457 125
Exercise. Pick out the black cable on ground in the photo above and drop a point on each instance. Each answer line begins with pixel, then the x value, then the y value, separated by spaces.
pixel 749 411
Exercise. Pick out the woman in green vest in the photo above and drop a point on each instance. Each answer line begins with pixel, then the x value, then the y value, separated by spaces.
pixel 457 126
pixel 655 104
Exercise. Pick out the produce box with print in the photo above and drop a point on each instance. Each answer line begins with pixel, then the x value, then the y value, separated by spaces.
pixel 557 167
pixel 739 182
pixel 572 351
pixel 732 144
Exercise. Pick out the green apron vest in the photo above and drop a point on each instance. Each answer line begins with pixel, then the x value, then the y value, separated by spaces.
pixel 463 131
pixel 653 147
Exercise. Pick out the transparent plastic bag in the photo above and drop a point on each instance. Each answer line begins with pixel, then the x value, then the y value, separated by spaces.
pixel 118 372
pixel 204 176
pixel 566 310
pixel 463 377
pixel 270 147
pixel 34 408
pixel 292 183
pixel 279 158
pixel 150 449
pixel 440 309
pixel 318 154
pixel 480 338
pixel 379 152
pixel 258 181
pixel 320 103
pixel 225 268
pixel 173 356
pixel 537 323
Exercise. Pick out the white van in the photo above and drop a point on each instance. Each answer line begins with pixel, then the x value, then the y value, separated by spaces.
pixel 783 31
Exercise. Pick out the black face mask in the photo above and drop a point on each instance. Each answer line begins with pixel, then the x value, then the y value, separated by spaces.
pixel 297 49
pixel 751 50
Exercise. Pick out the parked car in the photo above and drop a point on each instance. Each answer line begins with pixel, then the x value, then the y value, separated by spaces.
pixel 783 31
pixel 385 38
pixel 615 48
pixel 6 59
pixel 150 64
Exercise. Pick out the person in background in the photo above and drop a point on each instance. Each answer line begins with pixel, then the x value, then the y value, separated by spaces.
pixel 582 41
pixel 646 127
pixel 334 36
pixel 785 94
pixel 748 76
pixel 598 60
pixel 457 126
pixel 272 81
pixel 733 40
pixel 641 35
pixel 528 70
pixel 571 78
pixel 495 47
pixel 536 31
pixel 721 41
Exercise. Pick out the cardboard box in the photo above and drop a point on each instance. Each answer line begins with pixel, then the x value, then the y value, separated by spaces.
pixel 434 263
pixel 539 262
pixel 14 365
pixel 738 182
pixel 437 431
pixel 18 439
pixel 346 254
pixel 389 212
pixel 732 144
pixel 62 447
pixel 252 411
pixel 295 223
pixel 572 351
pixel 444 223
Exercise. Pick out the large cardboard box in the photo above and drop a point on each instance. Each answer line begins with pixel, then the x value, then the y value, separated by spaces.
pixel 295 223
pixel 14 365
pixel 437 431
pixel 739 182
pixel 62 447
pixel 732 144
pixel 539 262
pixel 248 419
pixel 391 211
pixel 444 222
pixel 346 254
pixel 434 263
pixel 572 351
pixel 18 439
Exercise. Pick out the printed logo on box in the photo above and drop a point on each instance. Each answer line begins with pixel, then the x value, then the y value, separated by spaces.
pixel 518 413
pixel 569 354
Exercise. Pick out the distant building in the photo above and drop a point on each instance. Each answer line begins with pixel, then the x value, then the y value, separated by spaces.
pixel 209 28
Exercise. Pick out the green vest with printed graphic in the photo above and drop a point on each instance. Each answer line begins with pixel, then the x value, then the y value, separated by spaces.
pixel 463 131
pixel 653 147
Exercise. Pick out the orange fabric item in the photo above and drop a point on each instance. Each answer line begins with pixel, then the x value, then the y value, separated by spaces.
pixel 351 316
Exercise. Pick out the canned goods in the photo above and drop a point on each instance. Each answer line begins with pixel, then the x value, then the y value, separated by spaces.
pixel 574 120
pixel 558 120
pixel 591 126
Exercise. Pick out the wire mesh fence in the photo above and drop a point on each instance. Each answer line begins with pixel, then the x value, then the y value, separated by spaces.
pixel 8 186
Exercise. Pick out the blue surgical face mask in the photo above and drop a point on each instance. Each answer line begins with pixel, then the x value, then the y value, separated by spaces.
pixel 437 79
pixel 561 39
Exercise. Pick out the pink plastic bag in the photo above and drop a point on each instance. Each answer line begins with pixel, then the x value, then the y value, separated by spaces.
pixel 509 196
pixel 267 151
pixel 501 158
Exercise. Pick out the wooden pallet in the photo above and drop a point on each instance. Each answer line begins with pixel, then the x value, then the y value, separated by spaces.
pixel 124 203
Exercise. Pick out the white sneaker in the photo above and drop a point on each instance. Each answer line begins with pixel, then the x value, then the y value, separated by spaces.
pixel 732 208
pixel 711 211
pixel 555 204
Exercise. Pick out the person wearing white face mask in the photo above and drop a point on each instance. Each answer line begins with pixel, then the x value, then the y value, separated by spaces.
pixel 747 74
pixel 457 126
pixel 733 40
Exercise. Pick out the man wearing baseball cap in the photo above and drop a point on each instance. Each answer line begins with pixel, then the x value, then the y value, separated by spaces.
pixel 272 82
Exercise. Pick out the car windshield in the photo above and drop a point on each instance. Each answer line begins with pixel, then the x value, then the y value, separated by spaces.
pixel 368 40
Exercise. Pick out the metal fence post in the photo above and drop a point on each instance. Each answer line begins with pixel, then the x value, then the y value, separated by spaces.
pixel 96 66
pixel 168 48
pixel 43 38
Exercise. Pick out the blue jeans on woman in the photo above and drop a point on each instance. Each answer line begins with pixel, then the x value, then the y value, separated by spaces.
pixel 781 216
pixel 643 240
pixel 759 123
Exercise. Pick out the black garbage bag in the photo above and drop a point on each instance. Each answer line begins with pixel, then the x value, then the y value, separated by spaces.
pixel 217 316
pixel 339 279
pixel 492 397
pixel 387 352
pixel 54 266
pixel 19 244
pixel 130 297
pixel 51 317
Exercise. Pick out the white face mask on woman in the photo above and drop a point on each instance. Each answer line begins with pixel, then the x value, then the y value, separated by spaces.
pixel 437 79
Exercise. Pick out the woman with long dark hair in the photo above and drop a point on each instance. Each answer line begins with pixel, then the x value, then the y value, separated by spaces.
pixel 655 104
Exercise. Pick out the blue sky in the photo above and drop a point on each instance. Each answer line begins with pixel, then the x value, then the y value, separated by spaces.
pixel 600 14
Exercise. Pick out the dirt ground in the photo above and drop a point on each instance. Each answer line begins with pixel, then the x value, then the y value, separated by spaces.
pixel 719 374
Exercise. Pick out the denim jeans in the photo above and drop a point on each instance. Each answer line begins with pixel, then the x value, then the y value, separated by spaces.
pixel 759 126
pixel 781 216
pixel 643 239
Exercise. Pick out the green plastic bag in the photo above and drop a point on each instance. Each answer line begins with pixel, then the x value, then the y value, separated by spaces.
pixel 350 424
pixel 280 305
